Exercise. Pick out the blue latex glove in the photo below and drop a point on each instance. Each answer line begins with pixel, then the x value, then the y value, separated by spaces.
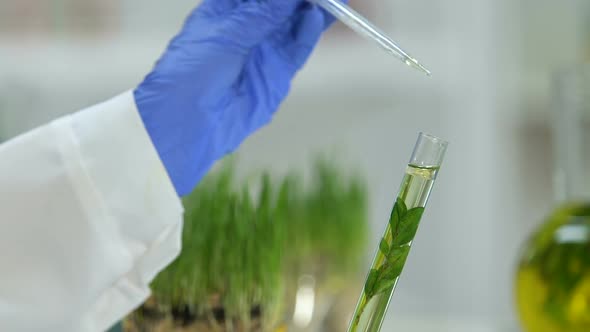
pixel 222 77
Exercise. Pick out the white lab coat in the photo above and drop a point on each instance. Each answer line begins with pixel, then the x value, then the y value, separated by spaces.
pixel 88 216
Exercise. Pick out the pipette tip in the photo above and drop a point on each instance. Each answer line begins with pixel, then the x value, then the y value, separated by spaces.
pixel 428 73
pixel 414 63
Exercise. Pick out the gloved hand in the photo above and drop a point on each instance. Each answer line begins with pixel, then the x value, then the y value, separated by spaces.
pixel 222 77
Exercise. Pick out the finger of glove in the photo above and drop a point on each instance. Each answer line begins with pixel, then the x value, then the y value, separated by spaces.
pixel 297 43
pixel 218 6
pixel 276 62
pixel 254 21
pixel 329 19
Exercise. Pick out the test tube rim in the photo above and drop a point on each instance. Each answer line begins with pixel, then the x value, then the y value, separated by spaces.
pixel 437 155
pixel 434 139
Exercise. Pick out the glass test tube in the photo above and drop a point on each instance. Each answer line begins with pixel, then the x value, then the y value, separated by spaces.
pixel 395 245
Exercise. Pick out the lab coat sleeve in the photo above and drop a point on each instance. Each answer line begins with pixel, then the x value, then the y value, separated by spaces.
pixel 88 216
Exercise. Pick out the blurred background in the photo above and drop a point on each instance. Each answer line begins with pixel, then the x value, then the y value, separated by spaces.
pixel 490 96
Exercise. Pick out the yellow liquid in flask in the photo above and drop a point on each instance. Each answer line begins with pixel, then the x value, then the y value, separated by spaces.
pixel 553 278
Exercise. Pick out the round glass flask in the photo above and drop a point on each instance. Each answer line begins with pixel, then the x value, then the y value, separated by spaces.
pixel 552 284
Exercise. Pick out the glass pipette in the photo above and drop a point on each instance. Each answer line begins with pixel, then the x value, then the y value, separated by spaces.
pixel 362 26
